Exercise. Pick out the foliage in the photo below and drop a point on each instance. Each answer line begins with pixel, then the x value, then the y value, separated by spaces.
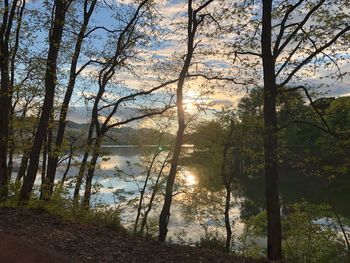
pixel 305 237
pixel 61 204
pixel 211 240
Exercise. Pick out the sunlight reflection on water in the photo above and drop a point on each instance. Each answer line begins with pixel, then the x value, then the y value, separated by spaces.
pixel 126 159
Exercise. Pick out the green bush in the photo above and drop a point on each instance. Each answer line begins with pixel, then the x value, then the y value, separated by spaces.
pixel 304 240
pixel 61 204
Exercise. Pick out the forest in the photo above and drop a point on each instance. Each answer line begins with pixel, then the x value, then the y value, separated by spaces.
pixel 204 130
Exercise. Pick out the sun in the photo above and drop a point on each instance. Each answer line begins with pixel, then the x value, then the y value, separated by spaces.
pixel 190 179
pixel 190 107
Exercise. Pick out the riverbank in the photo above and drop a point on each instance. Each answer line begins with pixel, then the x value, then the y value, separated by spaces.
pixel 81 242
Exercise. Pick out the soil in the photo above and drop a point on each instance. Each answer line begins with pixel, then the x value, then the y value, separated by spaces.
pixel 28 235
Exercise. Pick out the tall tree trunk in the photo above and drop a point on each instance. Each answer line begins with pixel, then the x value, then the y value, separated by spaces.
pixel 270 139
pixel 55 38
pixel 80 177
pixel 165 214
pixel 47 184
pixel 227 180
pixel 5 31
pixel 12 81
pixel 53 158
pixel 4 121
pixel 83 163
pixel 90 174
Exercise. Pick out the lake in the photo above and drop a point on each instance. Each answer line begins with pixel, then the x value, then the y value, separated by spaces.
pixel 132 161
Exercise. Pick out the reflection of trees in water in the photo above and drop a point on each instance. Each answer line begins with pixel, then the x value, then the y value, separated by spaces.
pixel 295 187
pixel 133 150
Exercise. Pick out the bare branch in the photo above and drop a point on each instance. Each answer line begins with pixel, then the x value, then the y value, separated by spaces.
pixel 215 78
pixel 101 27
pixel 314 54
pixel 248 53
pixel 328 129
pixel 278 50
pixel 283 25
pixel 141 117
pixel 289 57
pixel 131 96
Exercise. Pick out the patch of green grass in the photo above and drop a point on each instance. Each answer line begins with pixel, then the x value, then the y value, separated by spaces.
pixel 61 205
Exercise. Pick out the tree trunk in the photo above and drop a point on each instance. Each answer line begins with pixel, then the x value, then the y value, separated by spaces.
pixel 5 31
pixel 4 118
pixel 53 158
pixel 23 166
pixel 12 82
pixel 165 214
pixel 270 139
pixel 55 38
pixel 90 175
pixel 82 167
pixel 67 168
pixel 227 218
pixel 80 177
pixel 227 177
pixel 43 171
pixel 153 195
pixel 142 193
pixel 47 185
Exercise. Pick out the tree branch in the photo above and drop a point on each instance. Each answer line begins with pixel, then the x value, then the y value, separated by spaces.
pixel 314 54
pixel 301 24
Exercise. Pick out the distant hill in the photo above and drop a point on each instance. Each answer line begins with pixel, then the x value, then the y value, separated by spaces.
pixel 124 135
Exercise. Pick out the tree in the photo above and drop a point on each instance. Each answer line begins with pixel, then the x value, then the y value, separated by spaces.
pixel 88 9
pixel 60 10
pixel 270 138
pixel 195 18
pixel 271 53
pixel 124 50
pixel 13 60
pixel 7 58
pixel 292 36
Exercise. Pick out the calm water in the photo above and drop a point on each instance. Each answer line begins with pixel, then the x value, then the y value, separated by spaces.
pixel 294 188
pixel 129 160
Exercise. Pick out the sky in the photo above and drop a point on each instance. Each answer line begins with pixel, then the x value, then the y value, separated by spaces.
pixel 161 60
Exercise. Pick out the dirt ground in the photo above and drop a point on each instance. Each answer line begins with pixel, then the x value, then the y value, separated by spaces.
pixel 36 236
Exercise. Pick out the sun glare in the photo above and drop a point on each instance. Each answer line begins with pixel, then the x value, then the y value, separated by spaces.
pixel 190 107
pixel 190 179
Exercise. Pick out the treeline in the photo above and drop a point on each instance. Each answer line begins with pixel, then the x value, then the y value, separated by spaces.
pixel 52 51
